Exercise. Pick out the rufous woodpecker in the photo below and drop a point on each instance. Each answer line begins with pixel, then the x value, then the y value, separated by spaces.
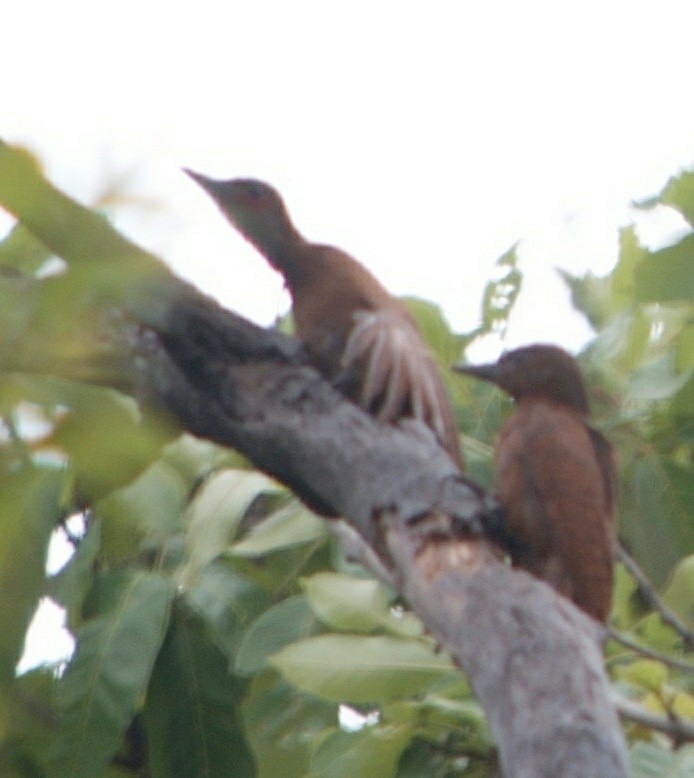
pixel 555 476
pixel 359 336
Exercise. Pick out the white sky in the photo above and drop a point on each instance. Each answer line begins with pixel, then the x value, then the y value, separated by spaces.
pixel 423 138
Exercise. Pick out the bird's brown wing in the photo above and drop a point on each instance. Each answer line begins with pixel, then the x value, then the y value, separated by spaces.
pixel 393 375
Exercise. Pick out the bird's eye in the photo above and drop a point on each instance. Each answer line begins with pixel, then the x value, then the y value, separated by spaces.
pixel 255 191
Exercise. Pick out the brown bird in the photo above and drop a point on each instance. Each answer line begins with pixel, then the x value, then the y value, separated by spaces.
pixel 555 476
pixel 358 335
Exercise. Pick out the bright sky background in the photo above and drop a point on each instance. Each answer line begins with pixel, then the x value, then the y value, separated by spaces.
pixel 423 138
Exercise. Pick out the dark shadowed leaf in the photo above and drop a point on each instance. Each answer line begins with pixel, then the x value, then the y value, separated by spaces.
pixel 191 714
pixel 30 501
pixel 227 602
pixel 69 587
pixel 282 726
pixel 283 624
pixel 116 647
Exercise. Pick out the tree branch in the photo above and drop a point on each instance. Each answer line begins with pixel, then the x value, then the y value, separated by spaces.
pixel 667 615
pixel 533 659
pixel 680 731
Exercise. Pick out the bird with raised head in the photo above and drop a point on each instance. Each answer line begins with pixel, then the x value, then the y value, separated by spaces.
pixel 554 476
pixel 359 336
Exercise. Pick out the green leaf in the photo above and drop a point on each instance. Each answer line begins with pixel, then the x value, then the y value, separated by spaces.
pixel 29 506
pixel 27 734
pixel 656 513
pixel 108 674
pixel 348 603
pixel 288 526
pixel 667 274
pixel 436 331
pixel 103 261
pixel 283 624
pixel 191 713
pixel 21 251
pixel 631 255
pixel 649 760
pixel 372 751
pixel 107 440
pixel 347 668
pixel 357 604
pixel 499 297
pixel 658 379
pixel 679 594
pixel 646 674
pixel 591 295
pixel 679 193
pixel 215 513
pixel 227 602
pixel 70 586
pixel 282 726
pixel 195 458
pixel 147 510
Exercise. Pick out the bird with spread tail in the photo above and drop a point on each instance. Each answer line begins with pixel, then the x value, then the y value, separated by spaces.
pixel 358 336
pixel 555 476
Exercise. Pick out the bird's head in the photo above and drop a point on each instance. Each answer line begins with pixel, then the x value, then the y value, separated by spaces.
pixel 540 371
pixel 254 208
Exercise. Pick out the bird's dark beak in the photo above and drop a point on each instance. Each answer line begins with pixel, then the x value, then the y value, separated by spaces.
pixel 210 185
pixel 488 372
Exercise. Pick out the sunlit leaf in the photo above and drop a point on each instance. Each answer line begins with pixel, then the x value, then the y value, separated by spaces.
pixel 436 331
pixel 356 604
pixel 288 526
pixel 106 439
pixel 112 267
pixel 649 760
pixel 679 193
pixel 348 668
pixel 23 252
pixel 667 274
pixel 680 591
pixel 215 513
pixel 195 458
pixel 499 297
pixel 631 255
pixel 372 751
pixel 646 674
pixel 591 295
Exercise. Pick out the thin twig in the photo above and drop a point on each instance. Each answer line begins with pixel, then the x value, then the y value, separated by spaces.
pixel 680 731
pixel 651 653
pixel 649 593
